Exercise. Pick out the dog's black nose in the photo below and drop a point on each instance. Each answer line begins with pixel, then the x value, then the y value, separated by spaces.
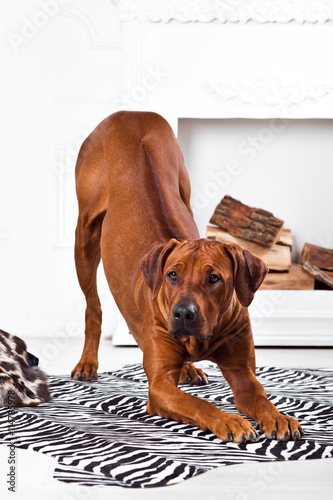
pixel 184 313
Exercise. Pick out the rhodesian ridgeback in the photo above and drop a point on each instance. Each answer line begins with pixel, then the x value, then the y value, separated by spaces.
pixel 184 299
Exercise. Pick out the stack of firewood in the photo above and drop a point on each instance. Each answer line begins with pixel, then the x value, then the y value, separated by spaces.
pixel 318 262
pixel 262 234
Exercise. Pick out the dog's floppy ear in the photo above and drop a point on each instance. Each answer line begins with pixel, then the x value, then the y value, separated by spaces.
pixel 152 265
pixel 249 273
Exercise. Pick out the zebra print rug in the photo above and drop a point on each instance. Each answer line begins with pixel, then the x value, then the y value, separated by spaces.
pixel 100 433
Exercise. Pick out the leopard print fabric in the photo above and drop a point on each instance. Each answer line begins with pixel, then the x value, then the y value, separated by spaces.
pixel 29 383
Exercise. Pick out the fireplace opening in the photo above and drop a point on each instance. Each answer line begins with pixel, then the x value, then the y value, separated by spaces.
pixel 283 165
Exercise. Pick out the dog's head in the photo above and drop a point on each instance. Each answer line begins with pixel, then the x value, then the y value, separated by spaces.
pixel 195 281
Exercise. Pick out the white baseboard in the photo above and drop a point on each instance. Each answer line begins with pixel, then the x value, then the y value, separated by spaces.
pixel 121 335
pixel 292 318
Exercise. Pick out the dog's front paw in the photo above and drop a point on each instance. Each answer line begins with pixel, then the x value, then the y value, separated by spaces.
pixel 85 370
pixel 281 427
pixel 234 428
pixel 190 374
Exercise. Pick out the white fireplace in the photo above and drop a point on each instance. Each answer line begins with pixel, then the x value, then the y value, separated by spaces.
pixel 248 89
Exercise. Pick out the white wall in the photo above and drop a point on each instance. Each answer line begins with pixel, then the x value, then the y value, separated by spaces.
pixel 61 75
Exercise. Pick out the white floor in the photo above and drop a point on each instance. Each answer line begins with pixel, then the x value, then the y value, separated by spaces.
pixel 303 480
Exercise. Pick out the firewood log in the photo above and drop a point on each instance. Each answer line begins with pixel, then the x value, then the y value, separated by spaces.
pixel 318 256
pixel 248 223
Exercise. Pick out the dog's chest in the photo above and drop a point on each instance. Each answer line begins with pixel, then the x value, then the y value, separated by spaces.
pixel 195 348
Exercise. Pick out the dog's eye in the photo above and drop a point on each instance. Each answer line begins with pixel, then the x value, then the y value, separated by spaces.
pixel 213 278
pixel 172 275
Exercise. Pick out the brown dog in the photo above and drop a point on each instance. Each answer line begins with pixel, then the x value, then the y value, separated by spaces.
pixel 184 299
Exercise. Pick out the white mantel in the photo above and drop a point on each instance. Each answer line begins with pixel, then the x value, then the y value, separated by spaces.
pixel 229 58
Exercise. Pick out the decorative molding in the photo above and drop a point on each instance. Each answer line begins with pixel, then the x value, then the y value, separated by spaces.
pixel 134 55
pixel 223 11
pixel 269 90
pixel 96 40
pixel 66 206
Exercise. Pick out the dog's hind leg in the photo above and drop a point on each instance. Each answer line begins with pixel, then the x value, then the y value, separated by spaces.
pixel 91 188
pixel 87 258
